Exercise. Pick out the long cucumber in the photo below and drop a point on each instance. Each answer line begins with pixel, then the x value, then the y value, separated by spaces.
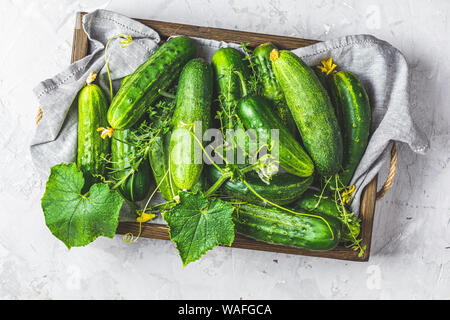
pixel 191 117
pixel 91 149
pixel 276 226
pixel 283 188
pixel 142 88
pixel 353 104
pixel 270 87
pixel 232 74
pixel 312 110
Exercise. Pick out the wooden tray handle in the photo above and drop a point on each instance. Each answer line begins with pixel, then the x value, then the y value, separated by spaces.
pixel 390 177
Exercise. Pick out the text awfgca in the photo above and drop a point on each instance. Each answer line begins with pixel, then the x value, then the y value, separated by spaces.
pixel 230 309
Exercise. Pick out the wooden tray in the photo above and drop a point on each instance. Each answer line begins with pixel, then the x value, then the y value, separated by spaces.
pixel 157 231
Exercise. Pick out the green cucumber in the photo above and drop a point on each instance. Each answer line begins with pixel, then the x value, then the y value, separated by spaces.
pixel 276 226
pixel 255 113
pixel 91 149
pixel 136 185
pixel 323 78
pixel 352 101
pixel 284 188
pixel 159 162
pixel 193 109
pixel 231 72
pixel 142 88
pixel 312 110
pixel 270 87
pixel 311 201
pixel 201 185
pixel 326 80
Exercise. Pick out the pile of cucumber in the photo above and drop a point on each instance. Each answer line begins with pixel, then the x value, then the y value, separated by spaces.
pixel 323 120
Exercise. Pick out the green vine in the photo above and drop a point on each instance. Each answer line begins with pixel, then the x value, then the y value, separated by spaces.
pixel 127 39
pixel 254 82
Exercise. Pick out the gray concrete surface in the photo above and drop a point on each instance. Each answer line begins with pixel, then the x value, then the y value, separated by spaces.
pixel 411 242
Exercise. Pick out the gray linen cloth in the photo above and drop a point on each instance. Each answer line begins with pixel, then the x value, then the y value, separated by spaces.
pixel 381 67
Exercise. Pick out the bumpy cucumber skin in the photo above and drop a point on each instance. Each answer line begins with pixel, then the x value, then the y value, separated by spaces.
pixel 231 75
pixel 284 188
pixel 353 103
pixel 92 109
pixel 193 106
pixel 276 226
pixel 326 80
pixel 255 113
pixel 141 88
pixel 271 88
pixel 159 162
pixel 312 110
pixel 309 201
pixel 323 78
pixel 137 185
pixel 231 72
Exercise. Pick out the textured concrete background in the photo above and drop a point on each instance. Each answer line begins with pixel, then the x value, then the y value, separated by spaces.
pixel 411 243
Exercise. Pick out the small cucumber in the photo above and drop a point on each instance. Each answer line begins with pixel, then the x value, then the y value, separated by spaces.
pixel 352 102
pixel 284 188
pixel 270 87
pixel 231 72
pixel 159 162
pixel 278 226
pixel 142 87
pixel 312 110
pixel 310 201
pixel 135 187
pixel 191 117
pixel 92 109
pixel 255 113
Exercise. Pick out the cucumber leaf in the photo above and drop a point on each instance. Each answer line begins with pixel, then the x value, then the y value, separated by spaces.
pixel 74 218
pixel 197 224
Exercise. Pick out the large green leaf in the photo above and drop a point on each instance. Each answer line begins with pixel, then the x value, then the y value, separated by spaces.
pixel 74 218
pixel 198 224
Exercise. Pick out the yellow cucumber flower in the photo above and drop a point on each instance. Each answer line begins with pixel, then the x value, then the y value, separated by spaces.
pixel 144 217
pixel 327 66
pixel 106 132
pixel 347 195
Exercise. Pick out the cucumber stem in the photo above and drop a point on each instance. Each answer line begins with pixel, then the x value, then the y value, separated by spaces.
pixel 124 44
pixel 91 78
pixel 166 94
pixel 227 175
pixel 218 183
pixel 243 83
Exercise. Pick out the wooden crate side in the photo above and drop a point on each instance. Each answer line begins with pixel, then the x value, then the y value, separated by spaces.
pixel 80 40
pixel 167 29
